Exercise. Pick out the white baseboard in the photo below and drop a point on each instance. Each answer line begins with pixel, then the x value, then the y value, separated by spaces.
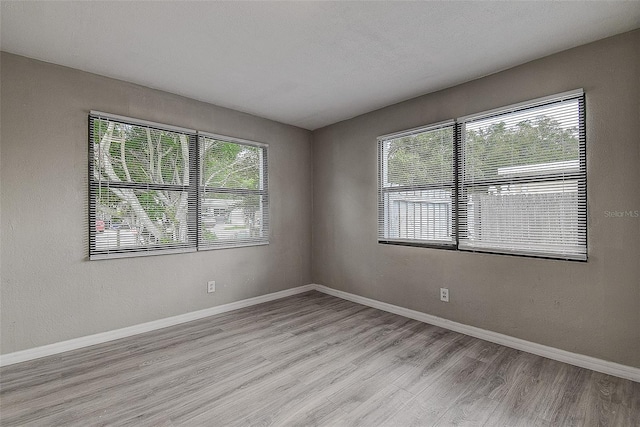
pixel 599 365
pixel 575 359
pixel 73 344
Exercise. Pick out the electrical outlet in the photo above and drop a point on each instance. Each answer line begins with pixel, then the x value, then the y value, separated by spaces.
pixel 444 294
pixel 211 286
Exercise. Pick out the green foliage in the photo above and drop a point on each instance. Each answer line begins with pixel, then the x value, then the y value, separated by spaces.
pixel 138 154
pixel 156 210
pixel 529 142
pixel 144 155
pixel 235 227
pixel 230 165
pixel 424 158
pixel 427 157
pixel 208 235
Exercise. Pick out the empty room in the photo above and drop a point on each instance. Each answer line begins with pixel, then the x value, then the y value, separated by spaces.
pixel 320 213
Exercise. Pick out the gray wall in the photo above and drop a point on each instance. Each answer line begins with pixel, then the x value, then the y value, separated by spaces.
pixel 49 291
pixel 590 308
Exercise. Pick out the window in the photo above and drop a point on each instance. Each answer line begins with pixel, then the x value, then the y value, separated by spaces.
pixel 233 192
pixel 152 191
pixel 521 182
pixel 417 186
pixel 523 179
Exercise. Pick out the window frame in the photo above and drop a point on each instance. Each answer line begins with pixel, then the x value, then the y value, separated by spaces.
pixel 263 192
pixel 385 190
pixel 459 196
pixel 194 189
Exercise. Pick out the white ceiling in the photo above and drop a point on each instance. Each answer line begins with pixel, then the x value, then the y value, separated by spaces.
pixel 308 64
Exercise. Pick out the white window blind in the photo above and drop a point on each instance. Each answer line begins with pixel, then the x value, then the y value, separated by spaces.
pixel 157 189
pixel 143 191
pixel 510 181
pixel 522 179
pixel 234 203
pixel 416 186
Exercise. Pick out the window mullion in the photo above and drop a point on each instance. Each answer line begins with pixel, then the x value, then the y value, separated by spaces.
pixel 457 147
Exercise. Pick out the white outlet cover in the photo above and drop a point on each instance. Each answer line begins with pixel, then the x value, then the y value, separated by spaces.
pixel 211 286
pixel 444 294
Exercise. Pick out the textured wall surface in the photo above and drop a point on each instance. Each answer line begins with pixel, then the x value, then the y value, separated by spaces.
pixel 591 308
pixel 49 291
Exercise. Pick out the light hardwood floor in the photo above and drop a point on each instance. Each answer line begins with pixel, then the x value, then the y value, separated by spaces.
pixel 310 359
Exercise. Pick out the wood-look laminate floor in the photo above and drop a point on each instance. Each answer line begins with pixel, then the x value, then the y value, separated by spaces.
pixel 310 359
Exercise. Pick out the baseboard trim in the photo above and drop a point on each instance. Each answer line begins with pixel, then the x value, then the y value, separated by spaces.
pixel 580 360
pixel 89 340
